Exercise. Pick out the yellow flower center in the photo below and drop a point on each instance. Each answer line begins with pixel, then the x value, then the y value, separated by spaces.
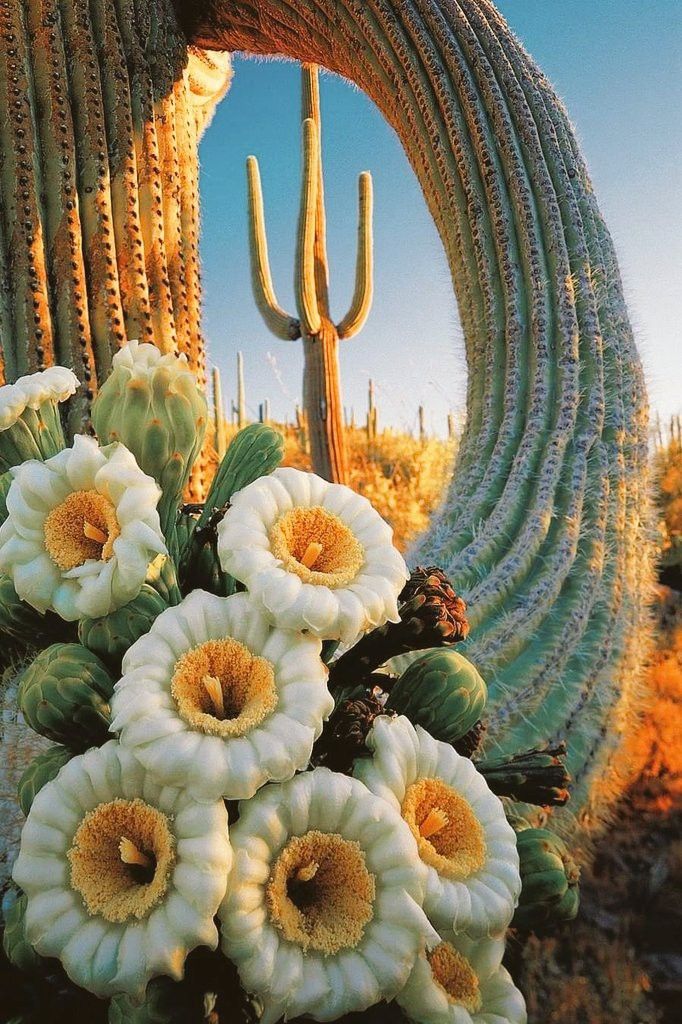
pixel 121 859
pixel 316 546
pixel 449 836
pixel 320 894
pixel 456 976
pixel 82 526
pixel 222 689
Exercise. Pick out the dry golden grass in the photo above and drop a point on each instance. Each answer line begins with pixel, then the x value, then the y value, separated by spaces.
pixel 403 477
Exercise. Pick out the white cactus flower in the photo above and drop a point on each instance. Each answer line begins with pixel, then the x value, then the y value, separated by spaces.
pixel 123 876
pixel 30 427
pixel 215 699
pixel 316 555
pixel 82 530
pixel 55 384
pixel 460 827
pixel 323 908
pixel 462 981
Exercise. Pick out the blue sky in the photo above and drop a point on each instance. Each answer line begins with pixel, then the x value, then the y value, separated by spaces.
pixel 618 66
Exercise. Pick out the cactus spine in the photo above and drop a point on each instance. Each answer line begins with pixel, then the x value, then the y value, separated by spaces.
pixel 545 528
pixel 321 387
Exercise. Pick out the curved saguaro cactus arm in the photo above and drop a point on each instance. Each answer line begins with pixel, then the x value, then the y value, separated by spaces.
pixel 304 277
pixel 283 326
pixel 545 526
pixel 361 304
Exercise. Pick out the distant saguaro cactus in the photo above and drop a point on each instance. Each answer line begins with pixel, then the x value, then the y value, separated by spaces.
pixel 371 413
pixel 240 408
pixel 220 437
pixel 321 387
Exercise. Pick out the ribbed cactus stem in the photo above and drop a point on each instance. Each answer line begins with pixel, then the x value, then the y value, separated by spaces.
pixel 361 304
pixel 220 438
pixel 422 424
pixel 304 278
pixel 98 185
pixel 280 323
pixel 546 525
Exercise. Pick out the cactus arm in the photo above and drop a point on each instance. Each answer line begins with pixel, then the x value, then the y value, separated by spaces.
pixel 304 278
pixel 311 108
pixel 364 272
pixel 283 326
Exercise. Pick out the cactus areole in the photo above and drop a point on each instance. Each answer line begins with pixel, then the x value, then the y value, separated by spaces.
pixel 545 526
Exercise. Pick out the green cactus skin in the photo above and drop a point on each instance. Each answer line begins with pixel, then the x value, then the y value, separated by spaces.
pixel 549 881
pixel 41 770
pixel 37 434
pixel 254 452
pixel 24 624
pixel 17 949
pixel 442 692
pixel 64 695
pixel 545 528
pixel 111 636
pixel 321 336
pixel 163 424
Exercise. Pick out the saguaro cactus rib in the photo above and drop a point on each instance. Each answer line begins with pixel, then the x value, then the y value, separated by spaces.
pixel 98 185
pixel 24 304
pixel 540 528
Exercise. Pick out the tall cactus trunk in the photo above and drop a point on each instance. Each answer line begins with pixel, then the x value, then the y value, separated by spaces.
pixel 99 207
pixel 546 524
pixel 323 404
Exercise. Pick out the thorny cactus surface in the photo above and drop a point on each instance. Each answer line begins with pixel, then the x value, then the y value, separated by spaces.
pixel 545 526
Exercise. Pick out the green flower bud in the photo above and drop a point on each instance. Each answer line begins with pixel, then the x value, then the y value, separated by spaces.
pixel 165 1002
pixel 23 623
pixel 41 770
pixel 152 403
pixel 30 427
pixel 111 636
pixel 18 949
pixel 254 452
pixel 549 881
pixel 64 695
pixel 442 692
